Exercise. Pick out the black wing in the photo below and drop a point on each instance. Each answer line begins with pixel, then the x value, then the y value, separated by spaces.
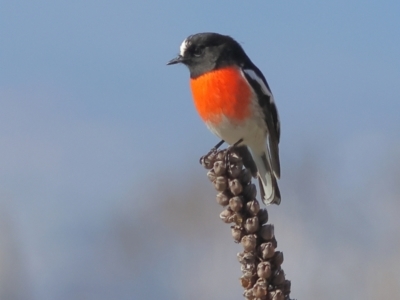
pixel 267 103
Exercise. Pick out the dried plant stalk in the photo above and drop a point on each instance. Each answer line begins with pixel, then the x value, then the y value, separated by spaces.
pixel 262 276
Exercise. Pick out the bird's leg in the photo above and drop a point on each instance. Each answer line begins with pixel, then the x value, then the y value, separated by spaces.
pixel 212 151
pixel 215 148
pixel 235 144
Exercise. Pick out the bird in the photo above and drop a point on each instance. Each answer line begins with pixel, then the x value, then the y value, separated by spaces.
pixel 235 102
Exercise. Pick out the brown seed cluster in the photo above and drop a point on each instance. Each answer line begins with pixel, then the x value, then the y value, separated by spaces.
pixel 263 277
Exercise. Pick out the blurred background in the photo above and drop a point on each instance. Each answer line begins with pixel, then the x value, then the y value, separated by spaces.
pixel 101 192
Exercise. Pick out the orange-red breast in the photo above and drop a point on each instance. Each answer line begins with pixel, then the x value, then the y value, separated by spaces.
pixel 233 98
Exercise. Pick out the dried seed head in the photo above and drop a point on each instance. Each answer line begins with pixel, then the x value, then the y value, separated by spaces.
pixel 260 288
pixel 219 168
pixel 276 295
pixel 245 176
pixel 278 258
pixel 264 269
pixel 249 242
pixel 234 170
pixel 227 215
pixel 223 198
pixel 236 203
pixel 279 277
pixel 266 250
pixel 263 216
pixel 250 191
pixel 246 257
pixel 220 183
pixel 211 175
pixel 251 225
pixel 257 262
pixel 207 161
pixel 253 207
pixel 267 232
pixel 235 187
pixel 237 233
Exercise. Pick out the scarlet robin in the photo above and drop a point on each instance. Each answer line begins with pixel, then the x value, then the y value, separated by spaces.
pixel 234 100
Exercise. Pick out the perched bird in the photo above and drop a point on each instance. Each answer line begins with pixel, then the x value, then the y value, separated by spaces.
pixel 233 98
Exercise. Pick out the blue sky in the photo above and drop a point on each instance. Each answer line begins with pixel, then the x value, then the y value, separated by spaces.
pixel 95 129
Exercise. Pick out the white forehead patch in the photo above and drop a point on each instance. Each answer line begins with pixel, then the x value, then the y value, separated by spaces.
pixel 183 47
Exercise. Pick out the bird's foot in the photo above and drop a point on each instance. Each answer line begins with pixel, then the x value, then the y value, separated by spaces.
pixel 208 159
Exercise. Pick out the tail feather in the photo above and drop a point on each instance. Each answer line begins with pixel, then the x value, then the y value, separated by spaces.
pixel 267 178
pixel 274 151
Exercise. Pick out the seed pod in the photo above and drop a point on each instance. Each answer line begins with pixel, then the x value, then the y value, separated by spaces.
pixel 266 250
pixel 226 215
pixel 279 277
pixel 245 268
pixel 234 157
pixel 237 233
pixel 286 287
pixel 249 274
pixel 264 269
pixel 223 198
pixel 237 218
pixel 251 225
pixel 220 155
pixel 250 192
pixel 249 242
pixel 248 267
pixel 274 242
pixel 248 294
pixel 253 207
pixel 246 257
pixel 211 175
pixel 219 167
pixel 276 295
pixel 220 183
pixel 236 203
pixel 238 164
pixel 234 170
pixel 245 176
pixel 247 282
pixel 263 216
pixel 235 187
pixel 267 232
pixel 278 258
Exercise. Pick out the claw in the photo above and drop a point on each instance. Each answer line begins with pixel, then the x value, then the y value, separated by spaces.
pixel 208 159
pixel 215 148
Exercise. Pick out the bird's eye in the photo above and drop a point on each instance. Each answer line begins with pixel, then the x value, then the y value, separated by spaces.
pixel 198 51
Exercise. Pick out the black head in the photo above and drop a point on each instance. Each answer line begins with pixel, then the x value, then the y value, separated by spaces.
pixel 203 52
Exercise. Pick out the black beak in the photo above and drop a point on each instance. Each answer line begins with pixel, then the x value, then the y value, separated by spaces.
pixel 176 60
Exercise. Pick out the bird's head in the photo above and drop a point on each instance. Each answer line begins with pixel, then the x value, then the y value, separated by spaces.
pixel 204 52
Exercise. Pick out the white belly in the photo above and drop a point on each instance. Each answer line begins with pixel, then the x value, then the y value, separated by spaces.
pixel 253 131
